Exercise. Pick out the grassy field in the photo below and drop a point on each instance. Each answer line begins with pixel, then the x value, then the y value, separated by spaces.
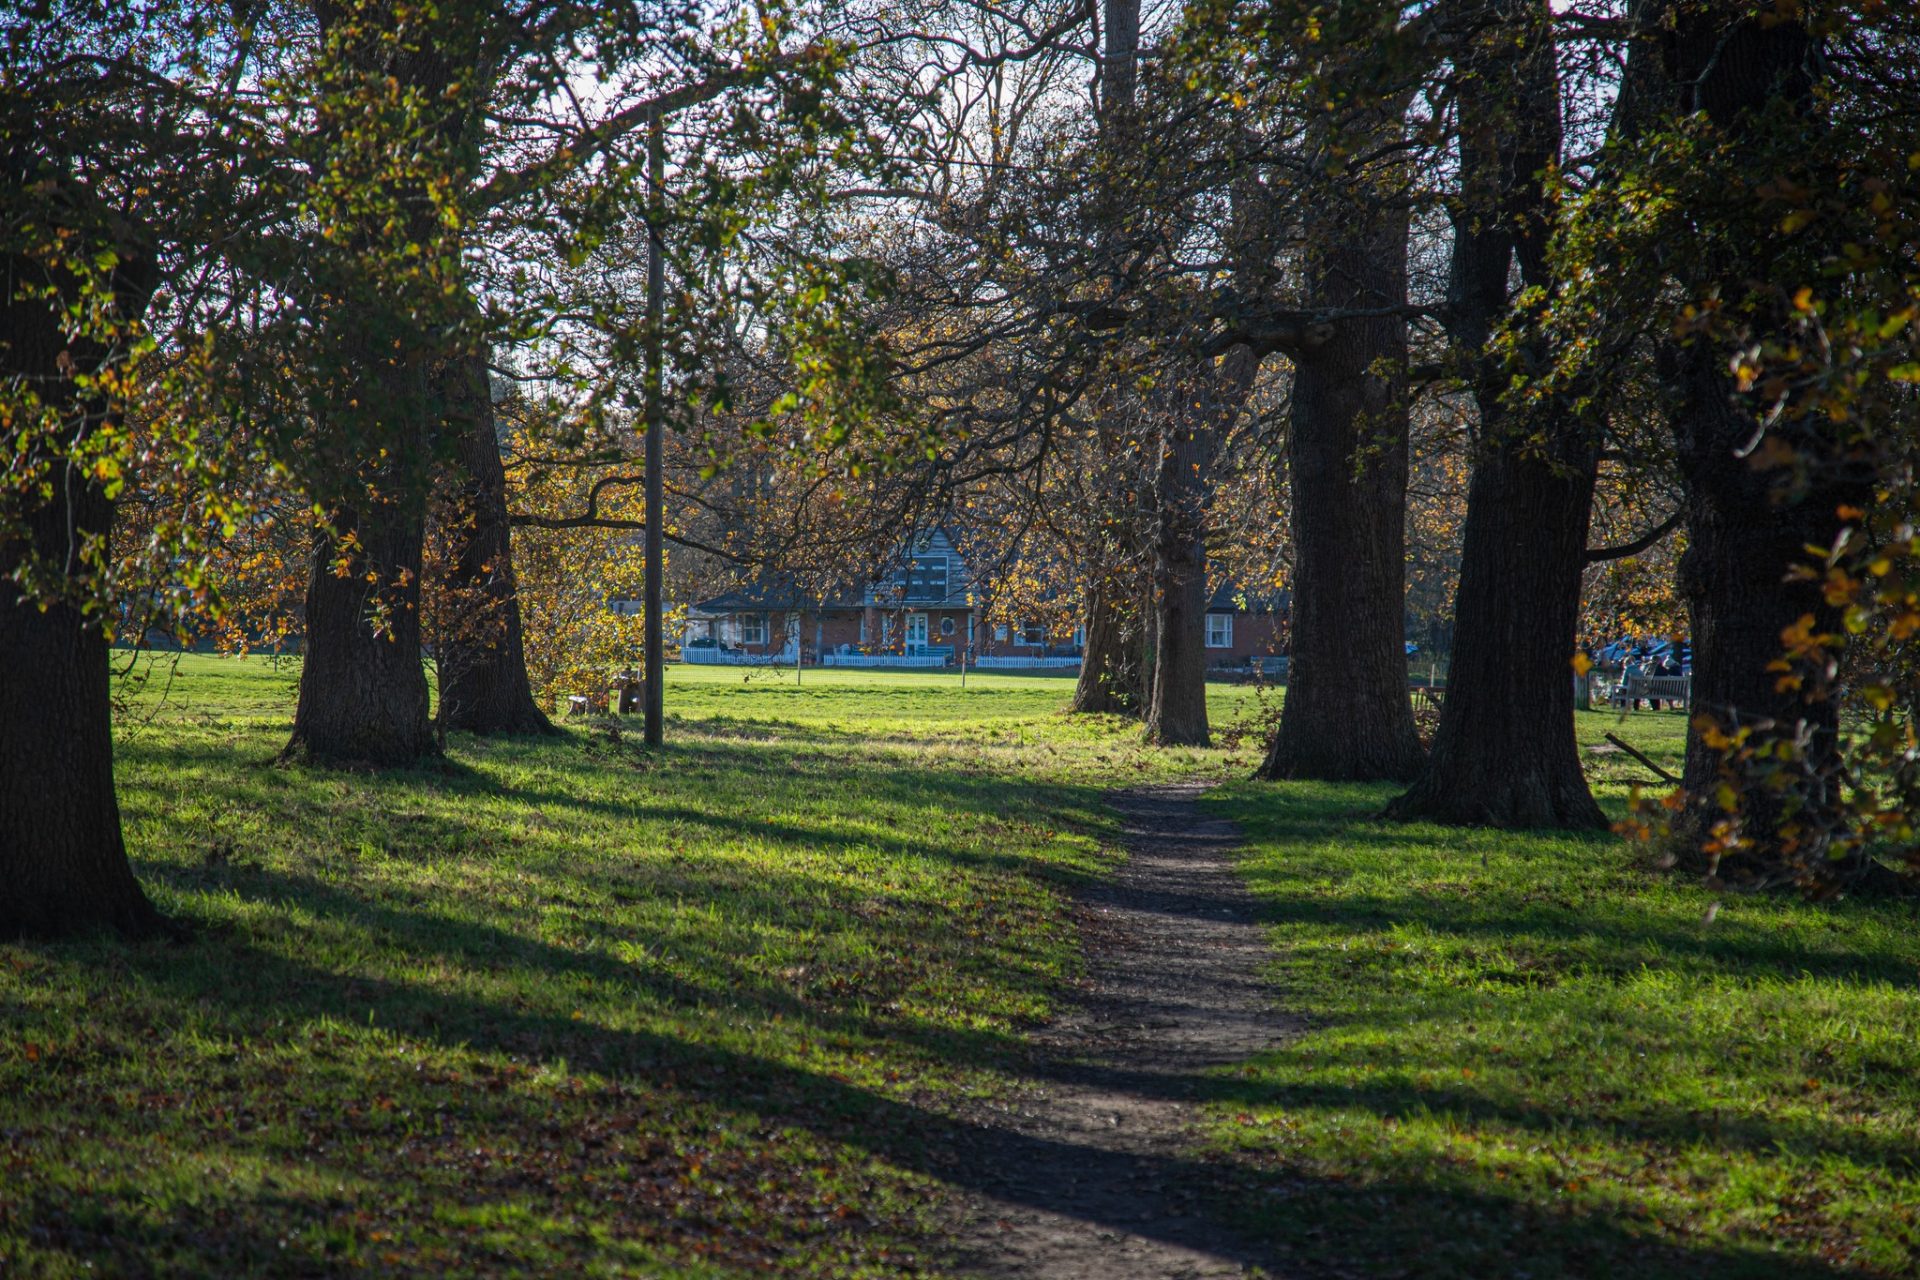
pixel 563 1007
pixel 555 1007
pixel 1526 1055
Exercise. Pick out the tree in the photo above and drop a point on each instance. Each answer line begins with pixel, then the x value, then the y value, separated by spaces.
pixel 1198 410
pixel 1504 752
pixel 68 256
pixel 1114 675
pixel 1787 367
pixel 1746 76
pixel 113 158
pixel 483 677
pixel 1347 715
pixel 454 153
pixel 392 133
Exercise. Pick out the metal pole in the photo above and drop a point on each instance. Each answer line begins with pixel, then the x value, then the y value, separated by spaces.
pixel 656 379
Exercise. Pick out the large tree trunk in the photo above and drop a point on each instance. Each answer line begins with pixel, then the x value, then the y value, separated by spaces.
pixel 1504 754
pixel 1112 666
pixel 1183 496
pixel 63 863
pixel 1111 676
pixel 1177 714
pixel 1742 540
pixel 482 661
pixel 62 860
pixel 363 691
pixel 1346 715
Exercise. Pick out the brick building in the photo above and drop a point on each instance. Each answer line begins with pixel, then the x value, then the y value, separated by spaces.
pixel 925 612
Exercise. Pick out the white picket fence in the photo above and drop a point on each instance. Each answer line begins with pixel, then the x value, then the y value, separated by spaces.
pixel 1006 663
pixel 882 660
pixel 704 656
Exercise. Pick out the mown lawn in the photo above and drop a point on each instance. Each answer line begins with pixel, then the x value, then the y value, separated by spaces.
pixel 1526 1055
pixel 566 1008
pixel 556 1007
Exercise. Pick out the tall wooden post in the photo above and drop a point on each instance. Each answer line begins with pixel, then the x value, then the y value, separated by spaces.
pixel 656 393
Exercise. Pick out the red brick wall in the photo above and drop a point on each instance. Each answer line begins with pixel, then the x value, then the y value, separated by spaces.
pixel 1255 635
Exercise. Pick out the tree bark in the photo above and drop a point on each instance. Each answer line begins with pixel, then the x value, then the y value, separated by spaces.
pixel 1741 541
pixel 63 861
pixel 1120 58
pixel 1504 754
pixel 1347 716
pixel 1111 674
pixel 1177 713
pixel 1183 496
pixel 1112 662
pixel 363 690
pixel 1742 537
pixel 483 666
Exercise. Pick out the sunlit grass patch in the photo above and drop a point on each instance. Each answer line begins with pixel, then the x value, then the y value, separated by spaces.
pixel 1527 1053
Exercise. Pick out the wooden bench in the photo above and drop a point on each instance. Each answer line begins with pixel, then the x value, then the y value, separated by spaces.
pixel 1671 689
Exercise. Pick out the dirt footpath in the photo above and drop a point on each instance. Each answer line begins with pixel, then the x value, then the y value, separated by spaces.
pixel 1085 1174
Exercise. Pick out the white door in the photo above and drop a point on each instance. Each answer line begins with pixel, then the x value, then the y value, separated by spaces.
pixel 916 632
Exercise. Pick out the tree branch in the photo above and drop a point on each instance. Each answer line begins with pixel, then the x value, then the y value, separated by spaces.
pixel 1595 555
pixel 594 141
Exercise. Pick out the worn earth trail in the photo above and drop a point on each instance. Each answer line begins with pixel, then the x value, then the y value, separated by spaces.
pixel 1085 1173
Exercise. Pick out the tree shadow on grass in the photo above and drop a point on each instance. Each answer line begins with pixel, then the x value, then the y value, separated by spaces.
pixel 1570 942
pixel 268 991
pixel 1319 1228
pixel 1534 912
pixel 434 939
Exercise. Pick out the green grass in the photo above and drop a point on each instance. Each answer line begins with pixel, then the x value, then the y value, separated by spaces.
pixel 1525 1054
pixel 556 1007
pixel 567 1008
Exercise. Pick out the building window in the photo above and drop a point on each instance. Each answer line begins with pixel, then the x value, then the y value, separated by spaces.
pixel 927 578
pixel 753 628
pixel 1219 631
pixel 999 631
pixel 916 631
pixel 947 627
pixel 863 626
pixel 1033 633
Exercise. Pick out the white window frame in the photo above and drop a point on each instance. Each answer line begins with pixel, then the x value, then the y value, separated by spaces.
pixel 916 634
pixel 753 628
pixel 999 631
pixel 1219 631
pixel 1033 635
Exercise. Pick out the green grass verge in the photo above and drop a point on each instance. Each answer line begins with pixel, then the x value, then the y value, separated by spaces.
pixel 1526 1055
pixel 556 1007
